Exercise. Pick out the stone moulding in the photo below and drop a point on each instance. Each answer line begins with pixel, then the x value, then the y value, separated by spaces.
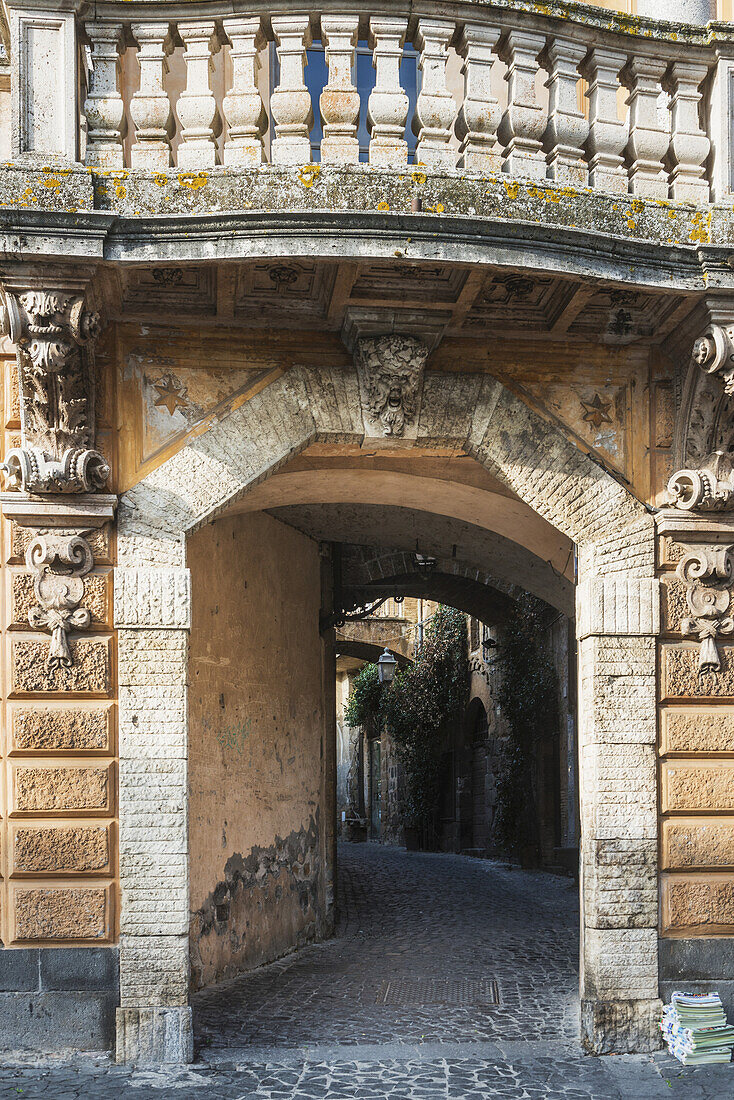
pixel 53 332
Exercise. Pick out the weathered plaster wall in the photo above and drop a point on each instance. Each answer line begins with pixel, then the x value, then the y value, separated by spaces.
pixel 256 727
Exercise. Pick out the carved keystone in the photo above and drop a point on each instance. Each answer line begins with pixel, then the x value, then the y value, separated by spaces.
pixel 390 370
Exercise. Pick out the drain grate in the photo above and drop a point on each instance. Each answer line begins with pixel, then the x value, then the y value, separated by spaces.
pixel 434 991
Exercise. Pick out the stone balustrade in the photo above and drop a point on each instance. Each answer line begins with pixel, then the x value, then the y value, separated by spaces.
pixel 582 97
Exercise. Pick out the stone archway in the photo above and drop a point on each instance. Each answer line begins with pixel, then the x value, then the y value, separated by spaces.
pixel 617 622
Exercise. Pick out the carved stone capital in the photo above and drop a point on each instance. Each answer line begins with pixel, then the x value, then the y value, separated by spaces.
pixel 390 370
pixel 59 560
pixel 47 319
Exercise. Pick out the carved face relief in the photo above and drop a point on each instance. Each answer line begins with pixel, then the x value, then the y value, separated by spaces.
pixel 391 368
pixel 703 351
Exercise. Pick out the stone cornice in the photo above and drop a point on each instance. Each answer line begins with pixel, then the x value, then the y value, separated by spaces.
pixel 336 213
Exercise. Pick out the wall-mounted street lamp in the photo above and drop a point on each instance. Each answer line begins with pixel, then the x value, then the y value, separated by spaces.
pixel 386 667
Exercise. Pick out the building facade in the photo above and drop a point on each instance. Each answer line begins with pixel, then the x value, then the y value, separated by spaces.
pixel 238 353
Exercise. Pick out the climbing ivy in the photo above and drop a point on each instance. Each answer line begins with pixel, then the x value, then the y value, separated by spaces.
pixel 527 695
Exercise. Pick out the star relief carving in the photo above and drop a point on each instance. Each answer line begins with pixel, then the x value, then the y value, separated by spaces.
pixel 172 394
pixel 596 412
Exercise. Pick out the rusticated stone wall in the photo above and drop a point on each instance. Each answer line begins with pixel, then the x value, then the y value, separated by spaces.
pixel 58 805
pixel 696 769
pixel 256 844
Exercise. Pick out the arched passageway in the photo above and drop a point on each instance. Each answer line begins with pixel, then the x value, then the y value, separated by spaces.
pixel 261 700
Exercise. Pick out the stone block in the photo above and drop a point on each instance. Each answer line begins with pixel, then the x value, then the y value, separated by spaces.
pixel 620 883
pixel 64 789
pixel 154 1036
pixel 62 728
pixel 97 598
pixel 63 913
pixel 618 606
pixel 620 964
pixel 19 970
pixel 88 675
pixel 153 598
pixel 694 843
pixel 80 968
pixel 697 729
pixel 680 673
pixel 621 1027
pixel 698 903
pixel 696 785
pixel 150 659
pixel 70 849
pixel 154 969
pixel 696 958
pixel 46 1023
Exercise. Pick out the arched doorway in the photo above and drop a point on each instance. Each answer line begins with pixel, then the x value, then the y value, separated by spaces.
pixel 543 476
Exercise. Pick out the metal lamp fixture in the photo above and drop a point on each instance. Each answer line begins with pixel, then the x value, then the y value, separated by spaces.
pixel 386 667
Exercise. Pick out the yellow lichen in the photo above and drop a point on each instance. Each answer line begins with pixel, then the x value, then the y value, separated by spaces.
pixel 511 189
pixel 193 180
pixel 383 205
pixel 160 178
pixel 309 174
pixel 701 228
pixel 419 178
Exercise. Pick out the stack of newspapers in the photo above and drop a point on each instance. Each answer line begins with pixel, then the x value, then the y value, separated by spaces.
pixel 695 1029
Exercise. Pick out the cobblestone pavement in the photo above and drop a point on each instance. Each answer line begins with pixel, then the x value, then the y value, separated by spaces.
pixel 309 1026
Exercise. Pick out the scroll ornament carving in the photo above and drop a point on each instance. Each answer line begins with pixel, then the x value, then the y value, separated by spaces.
pixel 708 484
pixel 53 333
pixel 708 573
pixel 60 561
pixel 391 368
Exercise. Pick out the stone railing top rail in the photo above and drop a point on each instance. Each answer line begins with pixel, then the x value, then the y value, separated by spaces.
pixel 587 19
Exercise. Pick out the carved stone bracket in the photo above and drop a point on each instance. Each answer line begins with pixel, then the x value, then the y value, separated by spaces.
pixel 390 370
pixel 53 331
pixel 708 573
pixel 60 560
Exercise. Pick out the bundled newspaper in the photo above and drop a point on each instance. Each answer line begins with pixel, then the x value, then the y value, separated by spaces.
pixel 695 1029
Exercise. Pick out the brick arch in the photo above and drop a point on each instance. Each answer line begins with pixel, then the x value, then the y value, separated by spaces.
pixel 617 625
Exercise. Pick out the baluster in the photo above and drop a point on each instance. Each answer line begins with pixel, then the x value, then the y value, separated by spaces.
pixel 243 106
pixel 387 108
pixel 149 106
pixel 689 146
pixel 290 103
pixel 197 107
pixel 103 107
pixel 567 128
pixel 479 116
pixel 648 140
pixel 607 132
pixel 339 101
pixel 523 123
pixel 435 110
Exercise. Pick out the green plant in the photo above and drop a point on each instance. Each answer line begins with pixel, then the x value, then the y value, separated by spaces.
pixel 527 695
pixel 364 707
pixel 419 709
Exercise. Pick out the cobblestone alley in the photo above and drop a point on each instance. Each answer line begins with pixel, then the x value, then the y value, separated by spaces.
pixel 353 1018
